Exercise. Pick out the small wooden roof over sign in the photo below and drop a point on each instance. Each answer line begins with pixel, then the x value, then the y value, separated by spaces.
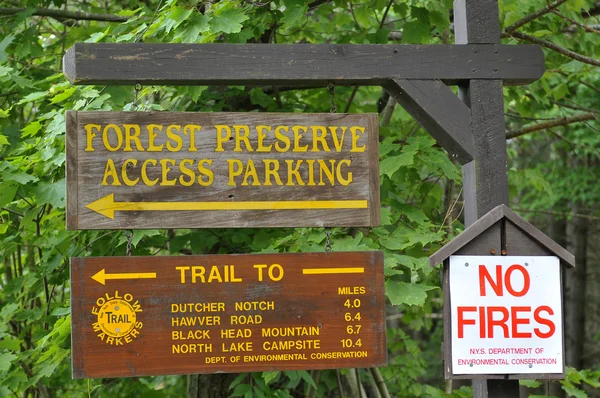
pixel 502 227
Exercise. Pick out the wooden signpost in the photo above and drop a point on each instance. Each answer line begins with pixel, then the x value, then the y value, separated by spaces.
pixel 142 316
pixel 203 170
pixel 469 126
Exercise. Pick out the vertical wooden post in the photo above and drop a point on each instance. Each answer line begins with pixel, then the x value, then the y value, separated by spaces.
pixel 485 179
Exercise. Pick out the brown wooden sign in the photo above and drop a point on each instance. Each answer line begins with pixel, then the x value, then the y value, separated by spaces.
pixel 201 170
pixel 145 316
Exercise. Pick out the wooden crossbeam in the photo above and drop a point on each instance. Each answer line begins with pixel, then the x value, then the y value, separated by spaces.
pixel 439 111
pixel 298 64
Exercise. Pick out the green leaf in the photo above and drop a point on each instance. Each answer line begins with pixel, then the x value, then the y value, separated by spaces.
pixel 139 234
pixel 530 383
pixel 31 129
pixel 63 96
pixel 4 113
pixel 392 164
pixel 3 44
pixel 270 376
pixel 241 390
pixel 8 190
pixel 228 21
pixel 33 97
pixel 50 192
pixel 4 140
pixel 10 344
pixel 414 32
pixel 18 176
pixel 5 361
pixel 307 378
pixel 61 311
pixel 4 70
pixel 195 26
pixel 96 37
pixel 295 10
pixel 407 293
pixel 177 16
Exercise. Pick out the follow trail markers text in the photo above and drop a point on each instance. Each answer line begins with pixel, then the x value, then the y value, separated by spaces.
pixel 146 316
pixel 204 170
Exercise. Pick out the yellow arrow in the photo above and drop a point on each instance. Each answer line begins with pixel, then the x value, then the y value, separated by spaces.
pixel 107 205
pixel 102 277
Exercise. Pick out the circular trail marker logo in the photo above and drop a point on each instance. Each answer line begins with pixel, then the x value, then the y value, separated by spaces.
pixel 117 322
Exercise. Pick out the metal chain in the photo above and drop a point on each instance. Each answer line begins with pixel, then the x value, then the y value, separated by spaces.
pixel 332 107
pixel 129 236
pixel 328 232
pixel 137 88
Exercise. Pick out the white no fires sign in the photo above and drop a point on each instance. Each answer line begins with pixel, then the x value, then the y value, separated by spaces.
pixel 506 314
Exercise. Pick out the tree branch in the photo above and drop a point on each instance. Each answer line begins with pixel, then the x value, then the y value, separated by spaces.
pixel 62 14
pixel 553 123
pixel 574 22
pixel 317 3
pixel 561 50
pixel 530 17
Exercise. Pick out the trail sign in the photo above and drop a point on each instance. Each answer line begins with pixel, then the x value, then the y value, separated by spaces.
pixel 202 170
pixel 144 316
pixel 506 314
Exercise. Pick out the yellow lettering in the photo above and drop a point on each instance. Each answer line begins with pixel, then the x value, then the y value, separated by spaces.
pixel 124 176
pixel 110 171
pixel 132 133
pixel 198 272
pixel 355 130
pixel 293 172
pixel 311 172
pixel 173 136
pixel 165 171
pixel 329 173
pixel 89 133
pixel 222 138
pixel 234 173
pixel 184 167
pixel 242 133
pixel 191 129
pixel 214 275
pixel 106 141
pixel 152 136
pixel 148 182
pixel 271 169
pixel 182 270
pixel 319 133
pixel 297 137
pixel 337 143
pixel 282 138
pixel 204 171
pixel 338 172
pixel 261 137
pixel 250 172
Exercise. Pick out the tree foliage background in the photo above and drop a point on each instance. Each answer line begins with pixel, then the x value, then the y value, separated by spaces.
pixel 554 151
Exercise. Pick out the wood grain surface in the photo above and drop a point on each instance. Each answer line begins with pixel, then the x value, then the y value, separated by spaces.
pixel 136 170
pixel 298 64
pixel 145 316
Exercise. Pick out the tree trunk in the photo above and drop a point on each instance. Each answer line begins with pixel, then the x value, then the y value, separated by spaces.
pixel 575 288
pixel 209 386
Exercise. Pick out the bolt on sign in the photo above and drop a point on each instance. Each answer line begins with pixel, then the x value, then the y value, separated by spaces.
pixel 203 170
pixel 146 316
pixel 506 315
